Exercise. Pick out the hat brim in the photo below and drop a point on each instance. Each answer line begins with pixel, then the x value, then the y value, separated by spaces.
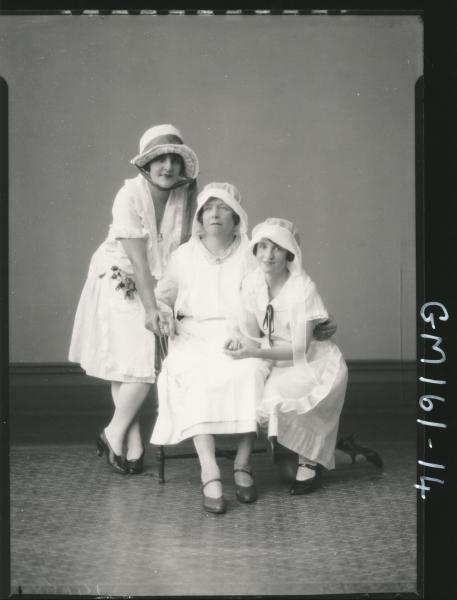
pixel 189 157
pixel 278 235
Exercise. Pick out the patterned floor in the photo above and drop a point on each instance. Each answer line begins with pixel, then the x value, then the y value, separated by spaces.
pixel 77 528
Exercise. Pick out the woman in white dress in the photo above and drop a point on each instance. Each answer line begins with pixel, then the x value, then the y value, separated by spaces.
pixel 202 392
pixel 117 315
pixel 304 394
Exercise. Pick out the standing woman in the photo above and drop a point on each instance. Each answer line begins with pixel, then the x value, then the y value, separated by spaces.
pixel 117 314
pixel 304 393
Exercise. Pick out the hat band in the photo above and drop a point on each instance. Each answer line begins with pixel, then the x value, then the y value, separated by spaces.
pixel 162 140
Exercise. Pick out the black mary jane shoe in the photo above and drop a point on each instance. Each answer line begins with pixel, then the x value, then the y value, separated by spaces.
pixel 213 505
pixel 350 446
pixel 299 488
pixel 136 466
pixel 245 493
pixel 114 460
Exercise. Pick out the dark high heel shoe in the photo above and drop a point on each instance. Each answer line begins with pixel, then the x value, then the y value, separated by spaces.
pixel 299 488
pixel 245 493
pixel 213 505
pixel 350 446
pixel 116 462
pixel 136 466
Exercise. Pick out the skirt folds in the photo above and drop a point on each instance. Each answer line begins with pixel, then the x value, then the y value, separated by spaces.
pixel 109 339
pixel 302 403
pixel 202 390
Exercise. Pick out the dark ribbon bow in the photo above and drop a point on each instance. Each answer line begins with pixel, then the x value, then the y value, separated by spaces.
pixel 268 321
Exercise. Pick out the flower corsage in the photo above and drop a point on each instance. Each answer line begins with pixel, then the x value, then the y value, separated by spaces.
pixel 126 283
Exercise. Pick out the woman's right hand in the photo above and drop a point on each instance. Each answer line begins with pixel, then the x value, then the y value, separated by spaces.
pixel 160 323
pixel 323 331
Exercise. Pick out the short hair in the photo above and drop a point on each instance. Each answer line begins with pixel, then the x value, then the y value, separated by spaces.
pixel 235 216
pixel 289 255
pixel 182 171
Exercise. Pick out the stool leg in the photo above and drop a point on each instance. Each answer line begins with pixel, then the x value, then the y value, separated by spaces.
pixel 160 353
pixel 160 456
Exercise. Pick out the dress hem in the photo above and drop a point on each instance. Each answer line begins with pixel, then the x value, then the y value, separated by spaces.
pixel 215 428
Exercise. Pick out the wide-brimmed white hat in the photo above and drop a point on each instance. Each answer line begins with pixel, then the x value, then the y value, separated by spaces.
pixel 229 194
pixel 166 139
pixel 283 233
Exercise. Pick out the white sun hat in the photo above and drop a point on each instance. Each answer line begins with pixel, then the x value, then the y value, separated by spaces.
pixel 283 233
pixel 166 139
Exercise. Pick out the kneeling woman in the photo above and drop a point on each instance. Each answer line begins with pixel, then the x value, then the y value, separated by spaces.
pixel 201 391
pixel 304 394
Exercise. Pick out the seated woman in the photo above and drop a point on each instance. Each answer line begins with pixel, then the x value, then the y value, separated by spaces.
pixel 202 392
pixel 304 394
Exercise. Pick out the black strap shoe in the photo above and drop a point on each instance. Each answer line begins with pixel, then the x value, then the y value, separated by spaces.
pixel 245 493
pixel 213 505
pixel 136 466
pixel 350 446
pixel 299 488
pixel 114 460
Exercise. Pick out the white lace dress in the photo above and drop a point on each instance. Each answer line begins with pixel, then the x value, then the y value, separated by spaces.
pixel 302 398
pixel 109 338
pixel 201 389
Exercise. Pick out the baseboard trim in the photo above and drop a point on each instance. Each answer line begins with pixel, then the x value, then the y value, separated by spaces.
pixel 360 371
pixel 45 368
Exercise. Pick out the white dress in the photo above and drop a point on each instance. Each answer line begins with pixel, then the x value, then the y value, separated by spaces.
pixel 302 398
pixel 201 389
pixel 109 338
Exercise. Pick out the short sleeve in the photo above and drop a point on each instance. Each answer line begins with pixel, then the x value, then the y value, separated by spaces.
pixel 314 305
pixel 127 222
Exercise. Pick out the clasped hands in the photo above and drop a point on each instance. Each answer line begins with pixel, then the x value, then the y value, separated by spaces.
pixel 239 347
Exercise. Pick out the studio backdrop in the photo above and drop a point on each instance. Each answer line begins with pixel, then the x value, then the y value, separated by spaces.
pixel 312 118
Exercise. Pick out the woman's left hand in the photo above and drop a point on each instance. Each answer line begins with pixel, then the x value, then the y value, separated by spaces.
pixel 232 343
pixel 325 330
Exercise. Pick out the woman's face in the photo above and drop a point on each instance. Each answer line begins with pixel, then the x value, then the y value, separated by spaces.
pixel 272 258
pixel 217 217
pixel 165 170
